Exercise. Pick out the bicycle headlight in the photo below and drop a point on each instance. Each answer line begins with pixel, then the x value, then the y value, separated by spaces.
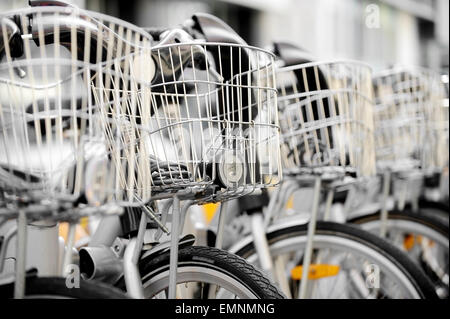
pixel 232 171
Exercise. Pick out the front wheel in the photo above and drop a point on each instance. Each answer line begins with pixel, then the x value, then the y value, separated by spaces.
pixel 345 258
pixel 205 273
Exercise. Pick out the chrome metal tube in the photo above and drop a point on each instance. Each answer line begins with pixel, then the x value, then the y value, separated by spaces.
pixel 133 280
pixel 107 231
pixel 261 245
pixel 68 251
pixel 174 248
pixel 384 210
pixel 309 243
pixel 221 225
pixel 19 284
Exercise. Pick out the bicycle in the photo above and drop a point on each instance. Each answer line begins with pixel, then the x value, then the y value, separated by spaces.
pixel 411 151
pixel 49 141
pixel 212 88
pixel 327 127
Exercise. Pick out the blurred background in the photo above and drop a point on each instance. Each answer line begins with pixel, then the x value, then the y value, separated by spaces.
pixel 382 33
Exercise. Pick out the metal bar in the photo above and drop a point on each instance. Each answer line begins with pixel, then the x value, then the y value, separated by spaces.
pixel 219 241
pixel 277 205
pixel 415 205
pixel 349 201
pixel 174 248
pixel 68 252
pixel 329 202
pixel 272 202
pixel 133 281
pixel 184 210
pixel 384 210
pixel 404 190
pixel 106 232
pixel 19 284
pixel 140 238
pixel 280 273
pixel 6 239
pixel 309 243
pixel 261 245
pixel 221 224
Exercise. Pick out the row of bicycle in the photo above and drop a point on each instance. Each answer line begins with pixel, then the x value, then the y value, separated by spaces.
pixel 332 181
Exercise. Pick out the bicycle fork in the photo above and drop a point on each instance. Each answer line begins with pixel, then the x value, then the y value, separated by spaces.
pixel 275 270
pixel 310 237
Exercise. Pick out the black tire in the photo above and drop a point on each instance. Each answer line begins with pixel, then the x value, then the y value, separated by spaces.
pixel 439 205
pixel 417 277
pixel 439 210
pixel 55 287
pixel 212 258
pixel 422 217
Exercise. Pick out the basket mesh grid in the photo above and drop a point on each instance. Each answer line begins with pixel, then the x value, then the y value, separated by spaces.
pixel 410 119
pixel 326 117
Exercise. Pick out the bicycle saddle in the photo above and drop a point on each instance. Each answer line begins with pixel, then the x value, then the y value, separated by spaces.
pixel 291 54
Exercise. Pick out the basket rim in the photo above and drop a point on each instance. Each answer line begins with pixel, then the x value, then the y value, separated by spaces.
pixel 202 42
pixel 324 62
pixel 404 68
pixel 94 15
pixel 320 94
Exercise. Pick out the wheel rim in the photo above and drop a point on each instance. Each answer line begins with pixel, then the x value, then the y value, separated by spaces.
pixel 389 270
pixel 398 228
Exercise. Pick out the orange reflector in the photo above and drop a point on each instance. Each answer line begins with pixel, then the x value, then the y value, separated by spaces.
pixel 408 242
pixel 316 271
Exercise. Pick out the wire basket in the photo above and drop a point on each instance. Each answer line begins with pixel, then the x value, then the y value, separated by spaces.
pixel 410 120
pixel 202 119
pixel 51 141
pixel 326 118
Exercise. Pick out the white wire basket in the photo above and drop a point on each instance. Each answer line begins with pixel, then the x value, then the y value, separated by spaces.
pixel 202 119
pixel 326 118
pixel 51 141
pixel 410 119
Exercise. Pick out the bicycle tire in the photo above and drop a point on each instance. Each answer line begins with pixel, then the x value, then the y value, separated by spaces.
pixel 232 267
pixel 423 218
pixel 437 209
pixel 55 287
